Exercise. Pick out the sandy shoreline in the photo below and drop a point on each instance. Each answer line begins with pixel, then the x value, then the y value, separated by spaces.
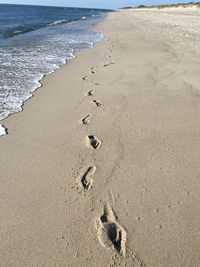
pixel 104 171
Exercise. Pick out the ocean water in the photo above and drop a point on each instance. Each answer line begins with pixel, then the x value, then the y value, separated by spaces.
pixel 35 41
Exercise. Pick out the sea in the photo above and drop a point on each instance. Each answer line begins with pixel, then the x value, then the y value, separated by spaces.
pixel 37 40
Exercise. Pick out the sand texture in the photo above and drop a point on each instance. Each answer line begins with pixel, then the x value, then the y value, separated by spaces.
pixel 102 166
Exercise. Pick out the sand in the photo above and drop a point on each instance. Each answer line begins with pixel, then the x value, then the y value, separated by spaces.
pixel 102 166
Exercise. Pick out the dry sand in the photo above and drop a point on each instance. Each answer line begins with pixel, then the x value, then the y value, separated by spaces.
pixel 102 166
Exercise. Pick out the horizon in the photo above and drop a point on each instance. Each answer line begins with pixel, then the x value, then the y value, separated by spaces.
pixel 54 6
pixel 90 4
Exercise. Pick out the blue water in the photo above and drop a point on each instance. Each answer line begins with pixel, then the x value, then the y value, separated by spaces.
pixel 35 41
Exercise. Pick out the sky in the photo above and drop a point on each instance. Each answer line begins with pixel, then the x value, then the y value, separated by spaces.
pixel 113 4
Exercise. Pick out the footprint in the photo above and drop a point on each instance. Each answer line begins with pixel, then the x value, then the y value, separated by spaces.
pixel 86 180
pixel 97 103
pixel 84 78
pixel 93 70
pixel 93 141
pixel 110 233
pixel 90 93
pixel 108 64
pixel 86 119
pixel 95 83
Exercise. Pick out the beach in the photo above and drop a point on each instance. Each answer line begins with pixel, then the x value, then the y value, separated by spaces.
pixel 101 168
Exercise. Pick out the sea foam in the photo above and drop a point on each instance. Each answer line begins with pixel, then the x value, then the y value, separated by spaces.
pixel 2 130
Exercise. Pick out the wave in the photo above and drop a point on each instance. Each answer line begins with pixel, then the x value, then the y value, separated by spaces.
pixel 61 21
pixel 29 28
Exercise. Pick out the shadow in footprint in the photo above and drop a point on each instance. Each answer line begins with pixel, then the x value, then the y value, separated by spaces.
pixel 109 63
pixel 93 141
pixel 95 83
pixel 86 119
pixel 84 78
pixel 86 179
pixel 110 233
pixel 90 93
pixel 97 103
pixel 93 70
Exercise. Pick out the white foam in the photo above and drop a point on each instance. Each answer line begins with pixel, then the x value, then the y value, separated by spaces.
pixel 58 22
pixel 2 130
